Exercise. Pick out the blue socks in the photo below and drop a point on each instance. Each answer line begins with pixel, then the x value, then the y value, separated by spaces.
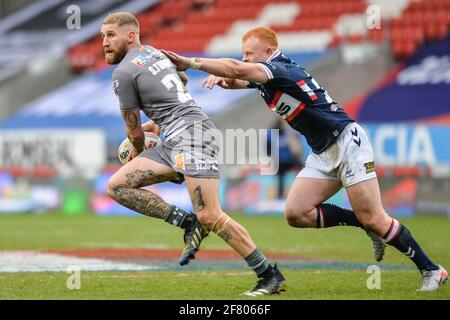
pixel 329 215
pixel 399 237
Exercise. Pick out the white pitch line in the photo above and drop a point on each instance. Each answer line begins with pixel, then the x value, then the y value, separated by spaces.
pixel 33 261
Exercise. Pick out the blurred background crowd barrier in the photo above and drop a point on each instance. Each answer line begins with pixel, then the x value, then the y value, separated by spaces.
pixel 60 123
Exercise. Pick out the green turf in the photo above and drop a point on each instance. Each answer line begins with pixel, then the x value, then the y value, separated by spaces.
pixel 305 284
pixel 270 233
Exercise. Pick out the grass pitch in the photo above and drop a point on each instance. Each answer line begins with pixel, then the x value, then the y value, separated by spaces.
pixel 323 279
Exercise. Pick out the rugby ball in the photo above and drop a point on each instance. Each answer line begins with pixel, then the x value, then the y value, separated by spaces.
pixel 126 147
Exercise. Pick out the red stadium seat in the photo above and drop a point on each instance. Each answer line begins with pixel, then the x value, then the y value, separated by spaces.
pixel 377 35
pixel 176 24
pixel 427 20
pixel 441 30
pixel 430 32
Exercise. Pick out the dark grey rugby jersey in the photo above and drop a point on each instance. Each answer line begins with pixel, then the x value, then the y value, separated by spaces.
pixel 146 78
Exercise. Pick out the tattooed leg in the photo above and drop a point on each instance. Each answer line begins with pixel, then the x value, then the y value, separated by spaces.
pixel 141 201
pixel 225 234
pixel 124 187
pixel 205 200
pixel 145 202
pixel 197 199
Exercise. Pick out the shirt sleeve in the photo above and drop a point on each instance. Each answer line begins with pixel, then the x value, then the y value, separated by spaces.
pixel 274 70
pixel 125 89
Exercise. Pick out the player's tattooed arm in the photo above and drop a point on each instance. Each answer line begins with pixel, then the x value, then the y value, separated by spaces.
pixel 134 129
pixel 197 199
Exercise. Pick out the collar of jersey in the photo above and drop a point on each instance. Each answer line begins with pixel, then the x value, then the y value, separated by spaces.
pixel 274 55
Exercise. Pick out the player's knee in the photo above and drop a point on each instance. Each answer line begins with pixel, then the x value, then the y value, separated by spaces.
pixel 367 222
pixel 113 190
pixel 371 221
pixel 110 189
pixel 297 217
pixel 208 216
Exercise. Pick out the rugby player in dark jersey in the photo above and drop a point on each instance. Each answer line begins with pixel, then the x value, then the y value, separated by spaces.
pixel 341 152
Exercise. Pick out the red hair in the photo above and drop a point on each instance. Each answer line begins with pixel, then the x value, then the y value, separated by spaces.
pixel 264 34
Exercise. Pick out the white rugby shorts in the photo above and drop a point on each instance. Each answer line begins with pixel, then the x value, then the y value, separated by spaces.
pixel 348 160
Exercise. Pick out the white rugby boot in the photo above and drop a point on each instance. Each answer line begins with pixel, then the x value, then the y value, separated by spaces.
pixel 431 280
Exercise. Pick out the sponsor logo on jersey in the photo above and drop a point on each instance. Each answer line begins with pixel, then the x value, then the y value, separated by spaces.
pixel 206 165
pixel 141 60
pixel 370 167
pixel 179 161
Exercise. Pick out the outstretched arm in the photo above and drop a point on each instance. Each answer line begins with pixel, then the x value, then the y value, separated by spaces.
pixel 225 83
pixel 223 67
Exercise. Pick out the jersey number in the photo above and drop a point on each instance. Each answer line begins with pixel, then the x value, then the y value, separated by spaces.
pixel 283 109
pixel 171 80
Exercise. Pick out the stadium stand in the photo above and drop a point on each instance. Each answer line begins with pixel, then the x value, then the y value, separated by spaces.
pixel 421 22
pixel 216 27
pixel 33 41
pixel 38 29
